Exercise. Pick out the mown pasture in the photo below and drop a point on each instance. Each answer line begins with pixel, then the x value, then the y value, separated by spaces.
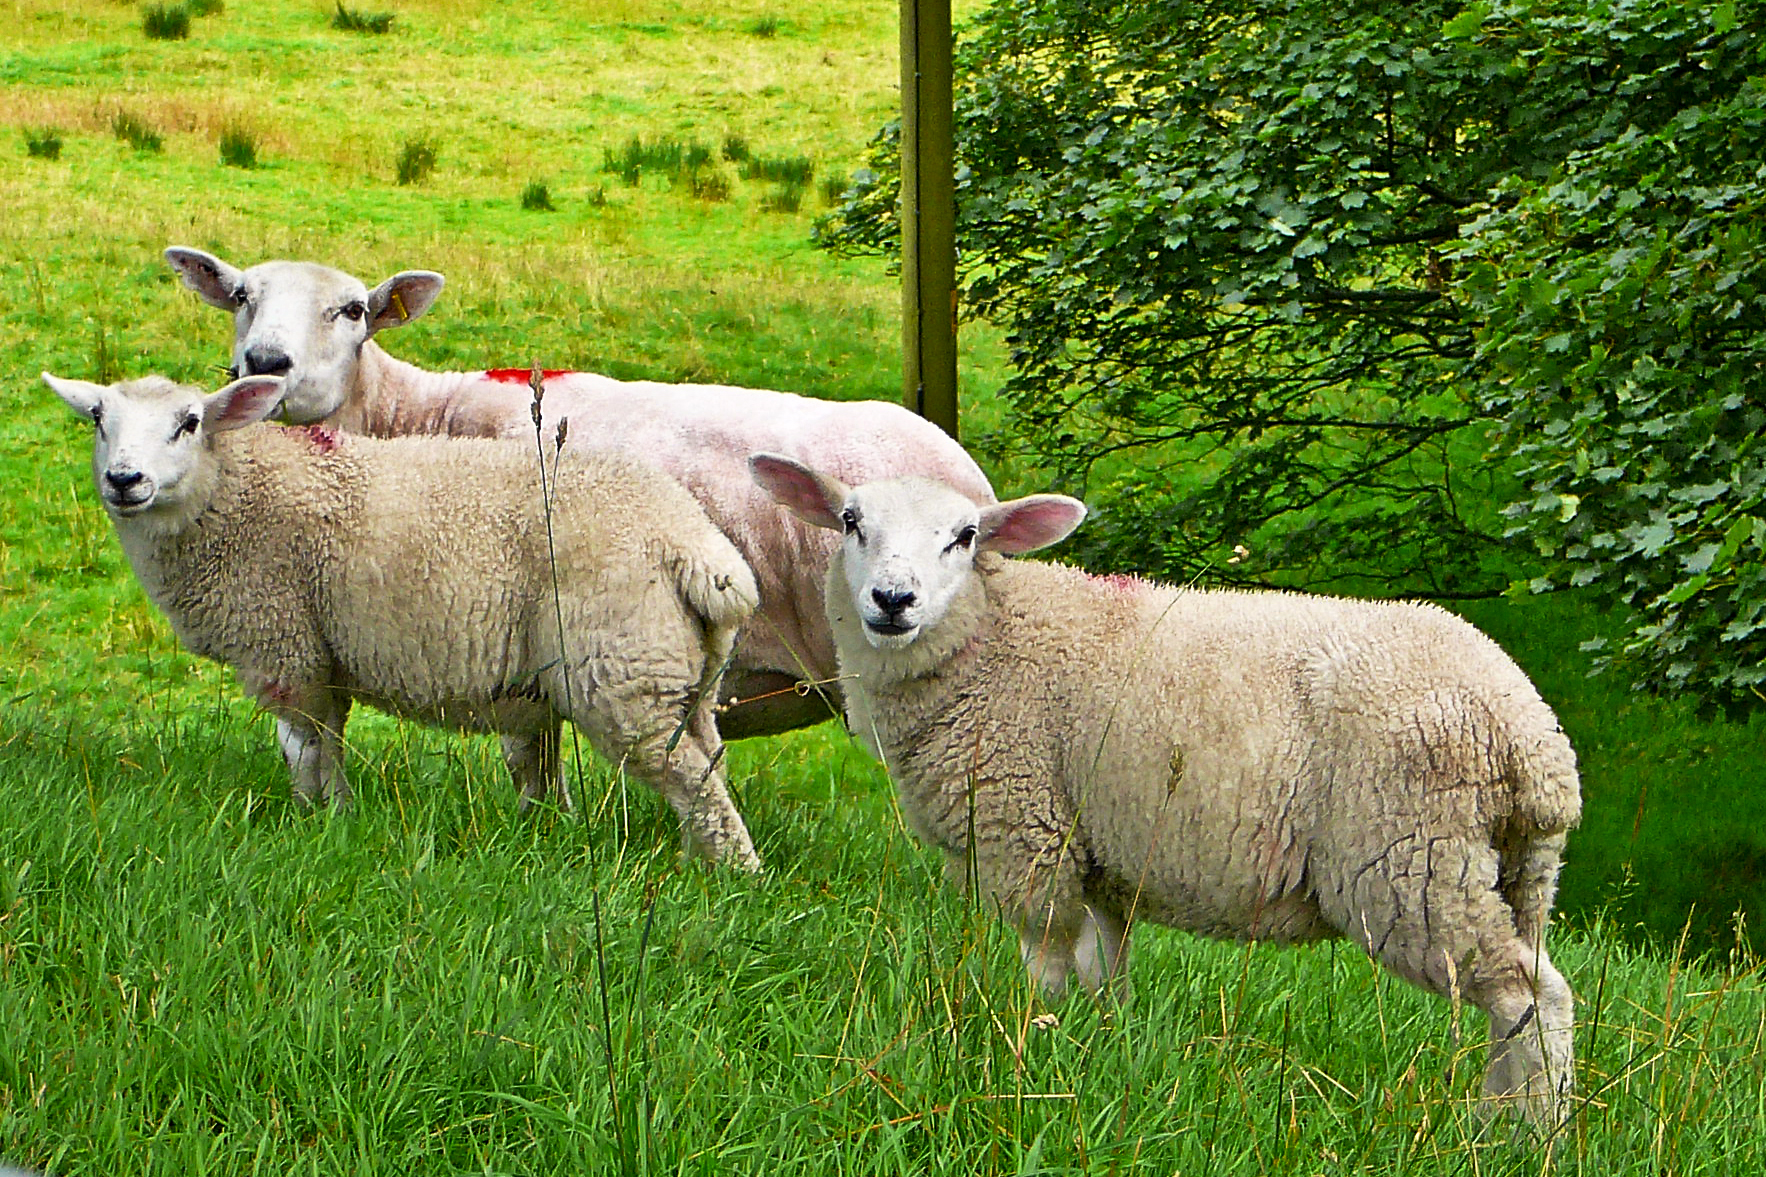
pixel 195 979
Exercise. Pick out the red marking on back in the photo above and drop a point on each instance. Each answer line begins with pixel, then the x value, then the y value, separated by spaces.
pixel 523 375
pixel 1119 582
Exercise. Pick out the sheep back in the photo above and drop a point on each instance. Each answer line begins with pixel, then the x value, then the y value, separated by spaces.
pixel 1228 762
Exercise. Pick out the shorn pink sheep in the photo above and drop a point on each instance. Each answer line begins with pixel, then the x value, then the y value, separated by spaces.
pixel 316 326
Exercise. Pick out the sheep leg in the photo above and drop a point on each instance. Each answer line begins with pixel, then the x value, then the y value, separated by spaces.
pixel 629 728
pixel 535 766
pixel 1035 873
pixel 1094 950
pixel 1100 956
pixel 311 739
pixel 691 779
pixel 1431 911
pixel 1532 1059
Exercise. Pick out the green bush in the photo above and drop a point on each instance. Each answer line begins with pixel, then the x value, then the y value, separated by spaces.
pixel 667 156
pixel 711 186
pixel 416 160
pixel 794 170
pixel 537 197
pixel 135 132
pixel 239 147
pixel 351 21
pixel 166 22
pixel 43 142
pixel 784 198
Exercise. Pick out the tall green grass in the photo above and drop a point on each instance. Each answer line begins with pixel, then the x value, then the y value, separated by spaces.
pixel 192 978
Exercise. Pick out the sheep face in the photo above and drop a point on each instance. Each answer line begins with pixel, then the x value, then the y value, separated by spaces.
pixel 304 322
pixel 148 438
pixel 910 543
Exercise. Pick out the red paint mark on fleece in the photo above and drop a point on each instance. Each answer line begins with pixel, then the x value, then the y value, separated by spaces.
pixel 1118 582
pixel 322 437
pixel 523 375
pixel 275 694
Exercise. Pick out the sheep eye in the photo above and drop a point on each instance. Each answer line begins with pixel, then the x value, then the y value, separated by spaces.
pixel 354 311
pixel 965 538
pixel 187 425
pixel 98 417
pixel 849 520
pixel 240 298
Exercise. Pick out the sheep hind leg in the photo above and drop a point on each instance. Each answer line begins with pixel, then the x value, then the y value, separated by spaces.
pixel 534 765
pixel 690 778
pixel 1441 922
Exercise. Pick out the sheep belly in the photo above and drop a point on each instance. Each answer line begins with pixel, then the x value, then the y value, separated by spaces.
pixel 1189 818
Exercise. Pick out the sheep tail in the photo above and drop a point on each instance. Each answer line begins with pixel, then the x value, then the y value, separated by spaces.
pixel 718 588
pixel 1530 843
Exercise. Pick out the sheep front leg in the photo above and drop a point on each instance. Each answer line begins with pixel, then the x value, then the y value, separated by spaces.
pixel 1092 948
pixel 534 764
pixel 311 739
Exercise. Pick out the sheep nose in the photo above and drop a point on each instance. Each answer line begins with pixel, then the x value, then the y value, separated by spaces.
pixel 892 601
pixel 123 479
pixel 266 360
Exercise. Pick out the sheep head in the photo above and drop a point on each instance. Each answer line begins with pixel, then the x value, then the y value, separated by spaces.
pixel 304 322
pixel 910 544
pixel 148 438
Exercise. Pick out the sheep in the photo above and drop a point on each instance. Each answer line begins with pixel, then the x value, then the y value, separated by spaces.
pixel 1246 765
pixel 315 326
pixel 425 577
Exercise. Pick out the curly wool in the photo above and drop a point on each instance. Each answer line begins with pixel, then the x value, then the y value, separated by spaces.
pixel 1246 765
pixel 418 575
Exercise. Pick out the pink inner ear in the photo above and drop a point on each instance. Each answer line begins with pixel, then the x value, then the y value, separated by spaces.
pixel 796 487
pixel 251 400
pixel 1030 523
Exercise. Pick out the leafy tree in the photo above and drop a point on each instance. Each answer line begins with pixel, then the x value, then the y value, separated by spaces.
pixel 1239 252
pixel 1624 349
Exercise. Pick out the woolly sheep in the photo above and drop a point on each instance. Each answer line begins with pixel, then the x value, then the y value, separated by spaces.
pixel 315 326
pixel 416 575
pixel 1249 765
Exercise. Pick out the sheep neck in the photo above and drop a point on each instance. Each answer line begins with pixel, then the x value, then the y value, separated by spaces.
pixel 392 397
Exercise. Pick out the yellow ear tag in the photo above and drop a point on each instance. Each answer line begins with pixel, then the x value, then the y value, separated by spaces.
pixel 399 303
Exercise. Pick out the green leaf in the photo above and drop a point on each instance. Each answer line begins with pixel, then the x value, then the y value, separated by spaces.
pixel 1467 23
pixel 1688 590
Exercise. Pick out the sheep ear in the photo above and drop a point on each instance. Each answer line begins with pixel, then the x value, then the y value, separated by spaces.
pixel 1029 523
pixel 401 298
pixel 813 498
pixel 82 396
pixel 217 282
pixel 243 402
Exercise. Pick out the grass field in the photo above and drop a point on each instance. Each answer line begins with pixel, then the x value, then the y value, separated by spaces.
pixel 194 979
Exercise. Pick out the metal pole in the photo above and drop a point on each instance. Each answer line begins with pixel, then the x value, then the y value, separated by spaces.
pixel 928 215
